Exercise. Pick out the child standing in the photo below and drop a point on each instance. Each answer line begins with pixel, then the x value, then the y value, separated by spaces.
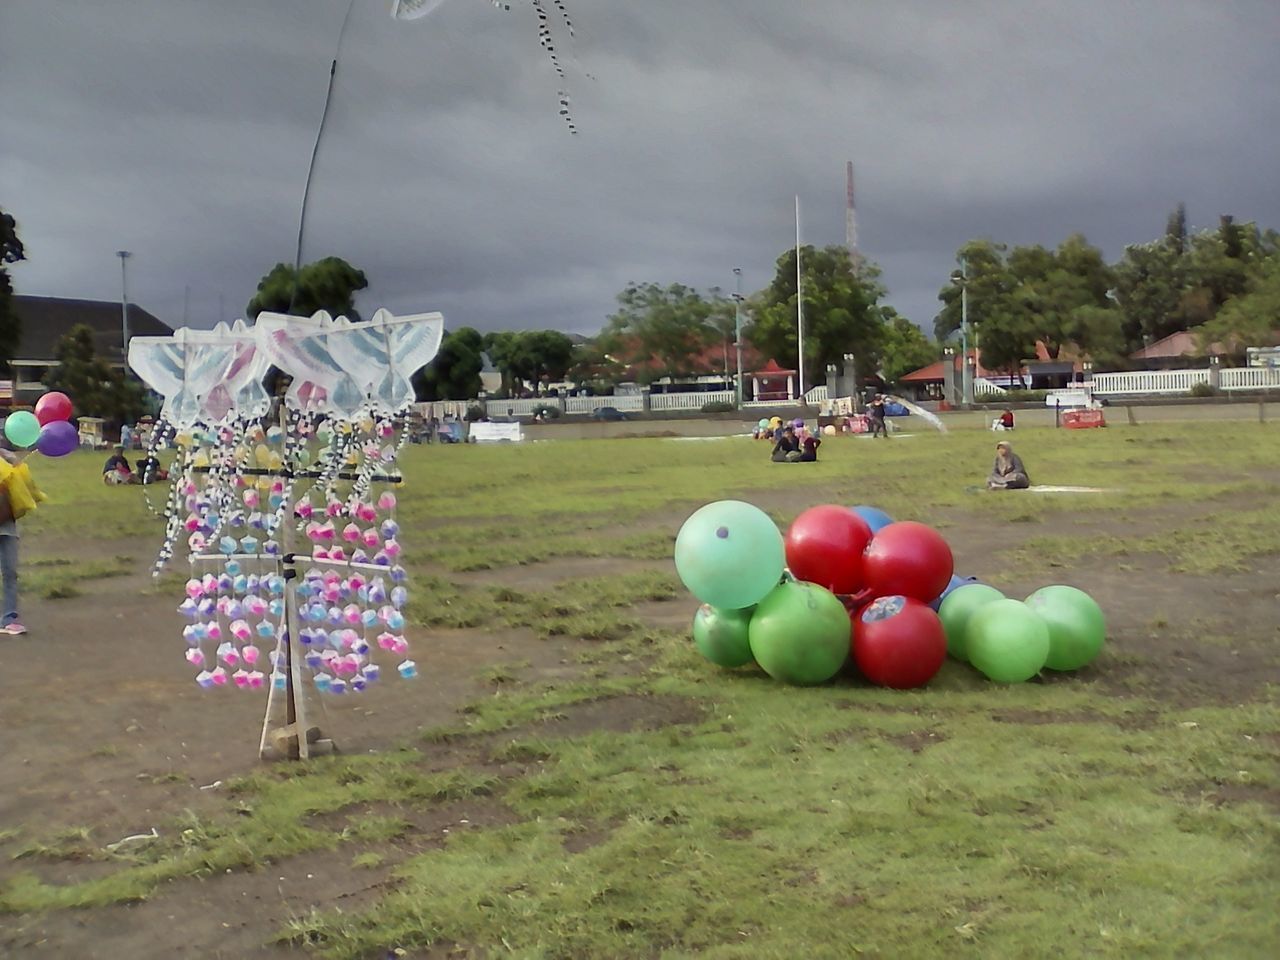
pixel 10 622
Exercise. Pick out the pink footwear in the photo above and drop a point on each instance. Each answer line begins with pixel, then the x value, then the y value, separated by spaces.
pixel 14 629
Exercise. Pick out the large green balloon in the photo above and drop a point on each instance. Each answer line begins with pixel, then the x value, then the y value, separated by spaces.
pixel 957 609
pixel 1076 625
pixel 1007 641
pixel 22 429
pixel 721 635
pixel 729 554
pixel 800 633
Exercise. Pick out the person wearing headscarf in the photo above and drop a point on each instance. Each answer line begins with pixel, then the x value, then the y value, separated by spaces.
pixel 1008 473
pixel 787 449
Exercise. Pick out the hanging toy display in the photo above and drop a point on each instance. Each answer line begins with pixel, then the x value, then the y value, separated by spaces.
pixel 287 507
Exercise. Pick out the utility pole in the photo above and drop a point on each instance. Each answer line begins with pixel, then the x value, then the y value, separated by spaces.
pixel 966 372
pixel 737 330
pixel 799 305
pixel 124 256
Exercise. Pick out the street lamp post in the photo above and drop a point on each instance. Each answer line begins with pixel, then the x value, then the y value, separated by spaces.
pixel 124 256
pixel 737 331
pixel 961 279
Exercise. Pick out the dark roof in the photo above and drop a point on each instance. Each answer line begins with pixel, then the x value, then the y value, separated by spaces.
pixel 45 320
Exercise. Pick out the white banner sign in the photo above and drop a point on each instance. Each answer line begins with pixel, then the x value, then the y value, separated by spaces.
pixel 495 432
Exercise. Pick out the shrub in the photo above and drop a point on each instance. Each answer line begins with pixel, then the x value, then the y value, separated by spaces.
pixel 718 406
pixel 1203 390
pixel 1020 396
pixel 547 411
pixel 475 412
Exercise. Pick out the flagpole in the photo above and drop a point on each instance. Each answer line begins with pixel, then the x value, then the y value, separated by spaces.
pixel 799 304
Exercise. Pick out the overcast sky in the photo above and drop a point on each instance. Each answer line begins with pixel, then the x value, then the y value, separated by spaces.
pixel 181 130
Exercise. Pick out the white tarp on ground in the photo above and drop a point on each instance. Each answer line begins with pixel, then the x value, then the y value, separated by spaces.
pixel 495 432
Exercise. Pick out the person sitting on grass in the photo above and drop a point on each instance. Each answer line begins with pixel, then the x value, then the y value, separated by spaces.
pixel 1004 421
pixel 810 452
pixel 787 449
pixel 151 470
pixel 1008 473
pixel 117 470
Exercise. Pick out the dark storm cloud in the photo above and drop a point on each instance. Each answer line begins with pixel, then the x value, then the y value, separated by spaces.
pixel 181 130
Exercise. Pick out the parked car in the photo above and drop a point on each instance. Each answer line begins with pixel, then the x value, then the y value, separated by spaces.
pixel 608 413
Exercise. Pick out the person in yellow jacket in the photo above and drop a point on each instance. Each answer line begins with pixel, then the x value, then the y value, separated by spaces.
pixel 18 497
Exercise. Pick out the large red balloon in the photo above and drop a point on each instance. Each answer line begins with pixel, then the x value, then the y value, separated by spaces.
pixel 898 642
pixel 908 559
pixel 53 407
pixel 825 546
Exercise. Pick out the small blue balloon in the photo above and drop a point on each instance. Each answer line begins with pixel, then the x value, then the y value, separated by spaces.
pixel 875 518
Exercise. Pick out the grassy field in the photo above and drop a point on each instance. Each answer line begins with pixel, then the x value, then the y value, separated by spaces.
pixel 643 803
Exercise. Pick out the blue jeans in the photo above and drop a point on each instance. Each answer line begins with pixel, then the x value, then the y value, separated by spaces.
pixel 9 573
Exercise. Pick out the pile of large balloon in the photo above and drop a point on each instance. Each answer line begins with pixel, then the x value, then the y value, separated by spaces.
pixel 289 521
pixel 851 582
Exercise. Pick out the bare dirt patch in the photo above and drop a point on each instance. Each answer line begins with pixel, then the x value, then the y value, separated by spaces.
pixel 917 741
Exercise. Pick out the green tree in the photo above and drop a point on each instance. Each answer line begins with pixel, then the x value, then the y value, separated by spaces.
pixel 1150 279
pixel 1175 230
pixel 454 374
pixel 529 356
pixel 1251 319
pixel 11 251
pixel 329 284
pixel 665 324
pixel 989 283
pixel 1031 295
pixel 544 355
pixel 841 313
pixel 593 367
pixel 904 346
pixel 95 388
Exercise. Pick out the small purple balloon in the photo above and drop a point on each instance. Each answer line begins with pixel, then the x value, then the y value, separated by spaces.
pixel 57 439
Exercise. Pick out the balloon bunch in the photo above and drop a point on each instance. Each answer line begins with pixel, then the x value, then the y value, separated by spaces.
pixel 49 430
pixel 852 581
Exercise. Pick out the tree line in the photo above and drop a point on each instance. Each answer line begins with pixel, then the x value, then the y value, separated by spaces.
pixel 1067 302
pixel 1222 284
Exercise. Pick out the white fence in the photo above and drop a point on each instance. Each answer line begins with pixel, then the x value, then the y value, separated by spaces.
pixel 1250 378
pixel 1149 381
pixel 632 403
pixel 816 395
pixel 982 387
pixel 1181 381
pixel 689 401
pixel 516 408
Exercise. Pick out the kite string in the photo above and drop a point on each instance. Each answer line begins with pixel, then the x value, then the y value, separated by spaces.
pixel 315 150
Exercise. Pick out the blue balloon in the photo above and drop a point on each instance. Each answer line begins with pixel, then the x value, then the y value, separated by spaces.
pixel 875 517
pixel 956 581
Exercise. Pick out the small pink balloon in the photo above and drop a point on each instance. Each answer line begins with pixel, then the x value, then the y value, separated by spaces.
pixel 250 654
pixel 370 538
pixel 351 533
pixel 387 501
